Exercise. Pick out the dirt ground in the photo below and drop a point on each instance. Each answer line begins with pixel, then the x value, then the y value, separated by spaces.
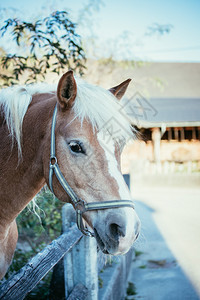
pixel 175 215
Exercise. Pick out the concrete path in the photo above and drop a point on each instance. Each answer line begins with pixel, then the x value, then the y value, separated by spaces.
pixel 169 265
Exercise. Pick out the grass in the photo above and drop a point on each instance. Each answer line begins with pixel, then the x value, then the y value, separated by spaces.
pixel 142 267
pixel 138 253
pixel 131 289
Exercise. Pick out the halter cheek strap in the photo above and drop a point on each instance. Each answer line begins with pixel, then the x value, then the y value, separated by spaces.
pixel 80 205
pixel 54 167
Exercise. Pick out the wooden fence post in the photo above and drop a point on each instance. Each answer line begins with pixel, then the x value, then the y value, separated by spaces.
pixel 156 138
pixel 80 264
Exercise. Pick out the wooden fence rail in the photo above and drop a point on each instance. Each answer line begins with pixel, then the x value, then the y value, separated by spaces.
pixel 20 284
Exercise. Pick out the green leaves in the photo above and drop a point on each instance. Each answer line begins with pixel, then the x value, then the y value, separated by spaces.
pixel 47 45
pixel 37 226
pixel 47 226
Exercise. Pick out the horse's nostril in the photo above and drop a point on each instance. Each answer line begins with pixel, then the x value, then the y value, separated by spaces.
pixel 116 231
pixel 115 226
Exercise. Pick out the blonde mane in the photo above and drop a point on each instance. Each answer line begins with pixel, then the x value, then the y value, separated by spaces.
pixel 94 103
pixel 14 102
pixel 104 111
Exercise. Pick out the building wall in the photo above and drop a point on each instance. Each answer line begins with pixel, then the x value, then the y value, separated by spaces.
pixel 170 151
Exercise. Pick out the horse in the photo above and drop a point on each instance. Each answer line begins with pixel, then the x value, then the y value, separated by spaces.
pixel 77 155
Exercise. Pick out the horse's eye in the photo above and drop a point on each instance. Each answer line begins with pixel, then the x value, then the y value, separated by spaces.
pixel 76 147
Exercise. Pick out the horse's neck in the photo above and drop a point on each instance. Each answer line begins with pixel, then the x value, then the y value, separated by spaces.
pixel 21 178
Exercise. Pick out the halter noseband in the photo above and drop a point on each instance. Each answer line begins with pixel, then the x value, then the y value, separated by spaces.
pixel 80 205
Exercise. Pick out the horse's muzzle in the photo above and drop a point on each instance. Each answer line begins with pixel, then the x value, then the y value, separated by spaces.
pixel 113 235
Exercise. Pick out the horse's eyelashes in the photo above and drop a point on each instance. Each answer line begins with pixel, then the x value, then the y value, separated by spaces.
pixel 76 147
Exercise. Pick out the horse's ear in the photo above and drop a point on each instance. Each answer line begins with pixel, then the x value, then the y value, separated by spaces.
pixel 67 90
pixel 119 90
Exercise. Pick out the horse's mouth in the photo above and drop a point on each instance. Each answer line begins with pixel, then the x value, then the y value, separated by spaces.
pixel 100 242
pixel 137 235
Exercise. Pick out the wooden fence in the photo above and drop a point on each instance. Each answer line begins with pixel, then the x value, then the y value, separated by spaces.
pixel 81 267
pixel 20 284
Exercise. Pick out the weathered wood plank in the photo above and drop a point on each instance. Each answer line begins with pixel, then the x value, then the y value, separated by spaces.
pixel 79 292
pixel 20 284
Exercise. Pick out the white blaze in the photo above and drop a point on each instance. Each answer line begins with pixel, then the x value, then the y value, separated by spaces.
pixel 109 149
pixel 131 217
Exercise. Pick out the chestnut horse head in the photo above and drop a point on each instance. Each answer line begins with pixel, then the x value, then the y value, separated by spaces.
pixel 89 133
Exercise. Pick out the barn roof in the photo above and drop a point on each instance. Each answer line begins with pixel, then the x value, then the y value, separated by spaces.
pixel 158 112
pixel 169 92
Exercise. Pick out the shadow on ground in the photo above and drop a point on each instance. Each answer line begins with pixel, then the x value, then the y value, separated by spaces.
pixel 155 273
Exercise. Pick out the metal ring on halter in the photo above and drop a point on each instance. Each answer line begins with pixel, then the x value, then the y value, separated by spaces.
pixel 54 160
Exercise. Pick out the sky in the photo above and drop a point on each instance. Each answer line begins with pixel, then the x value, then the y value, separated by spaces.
pixel 121 28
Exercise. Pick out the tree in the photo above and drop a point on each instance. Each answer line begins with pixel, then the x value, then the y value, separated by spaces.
pixel 47 45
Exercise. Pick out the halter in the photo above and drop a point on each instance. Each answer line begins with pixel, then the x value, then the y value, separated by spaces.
pixel 80 205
